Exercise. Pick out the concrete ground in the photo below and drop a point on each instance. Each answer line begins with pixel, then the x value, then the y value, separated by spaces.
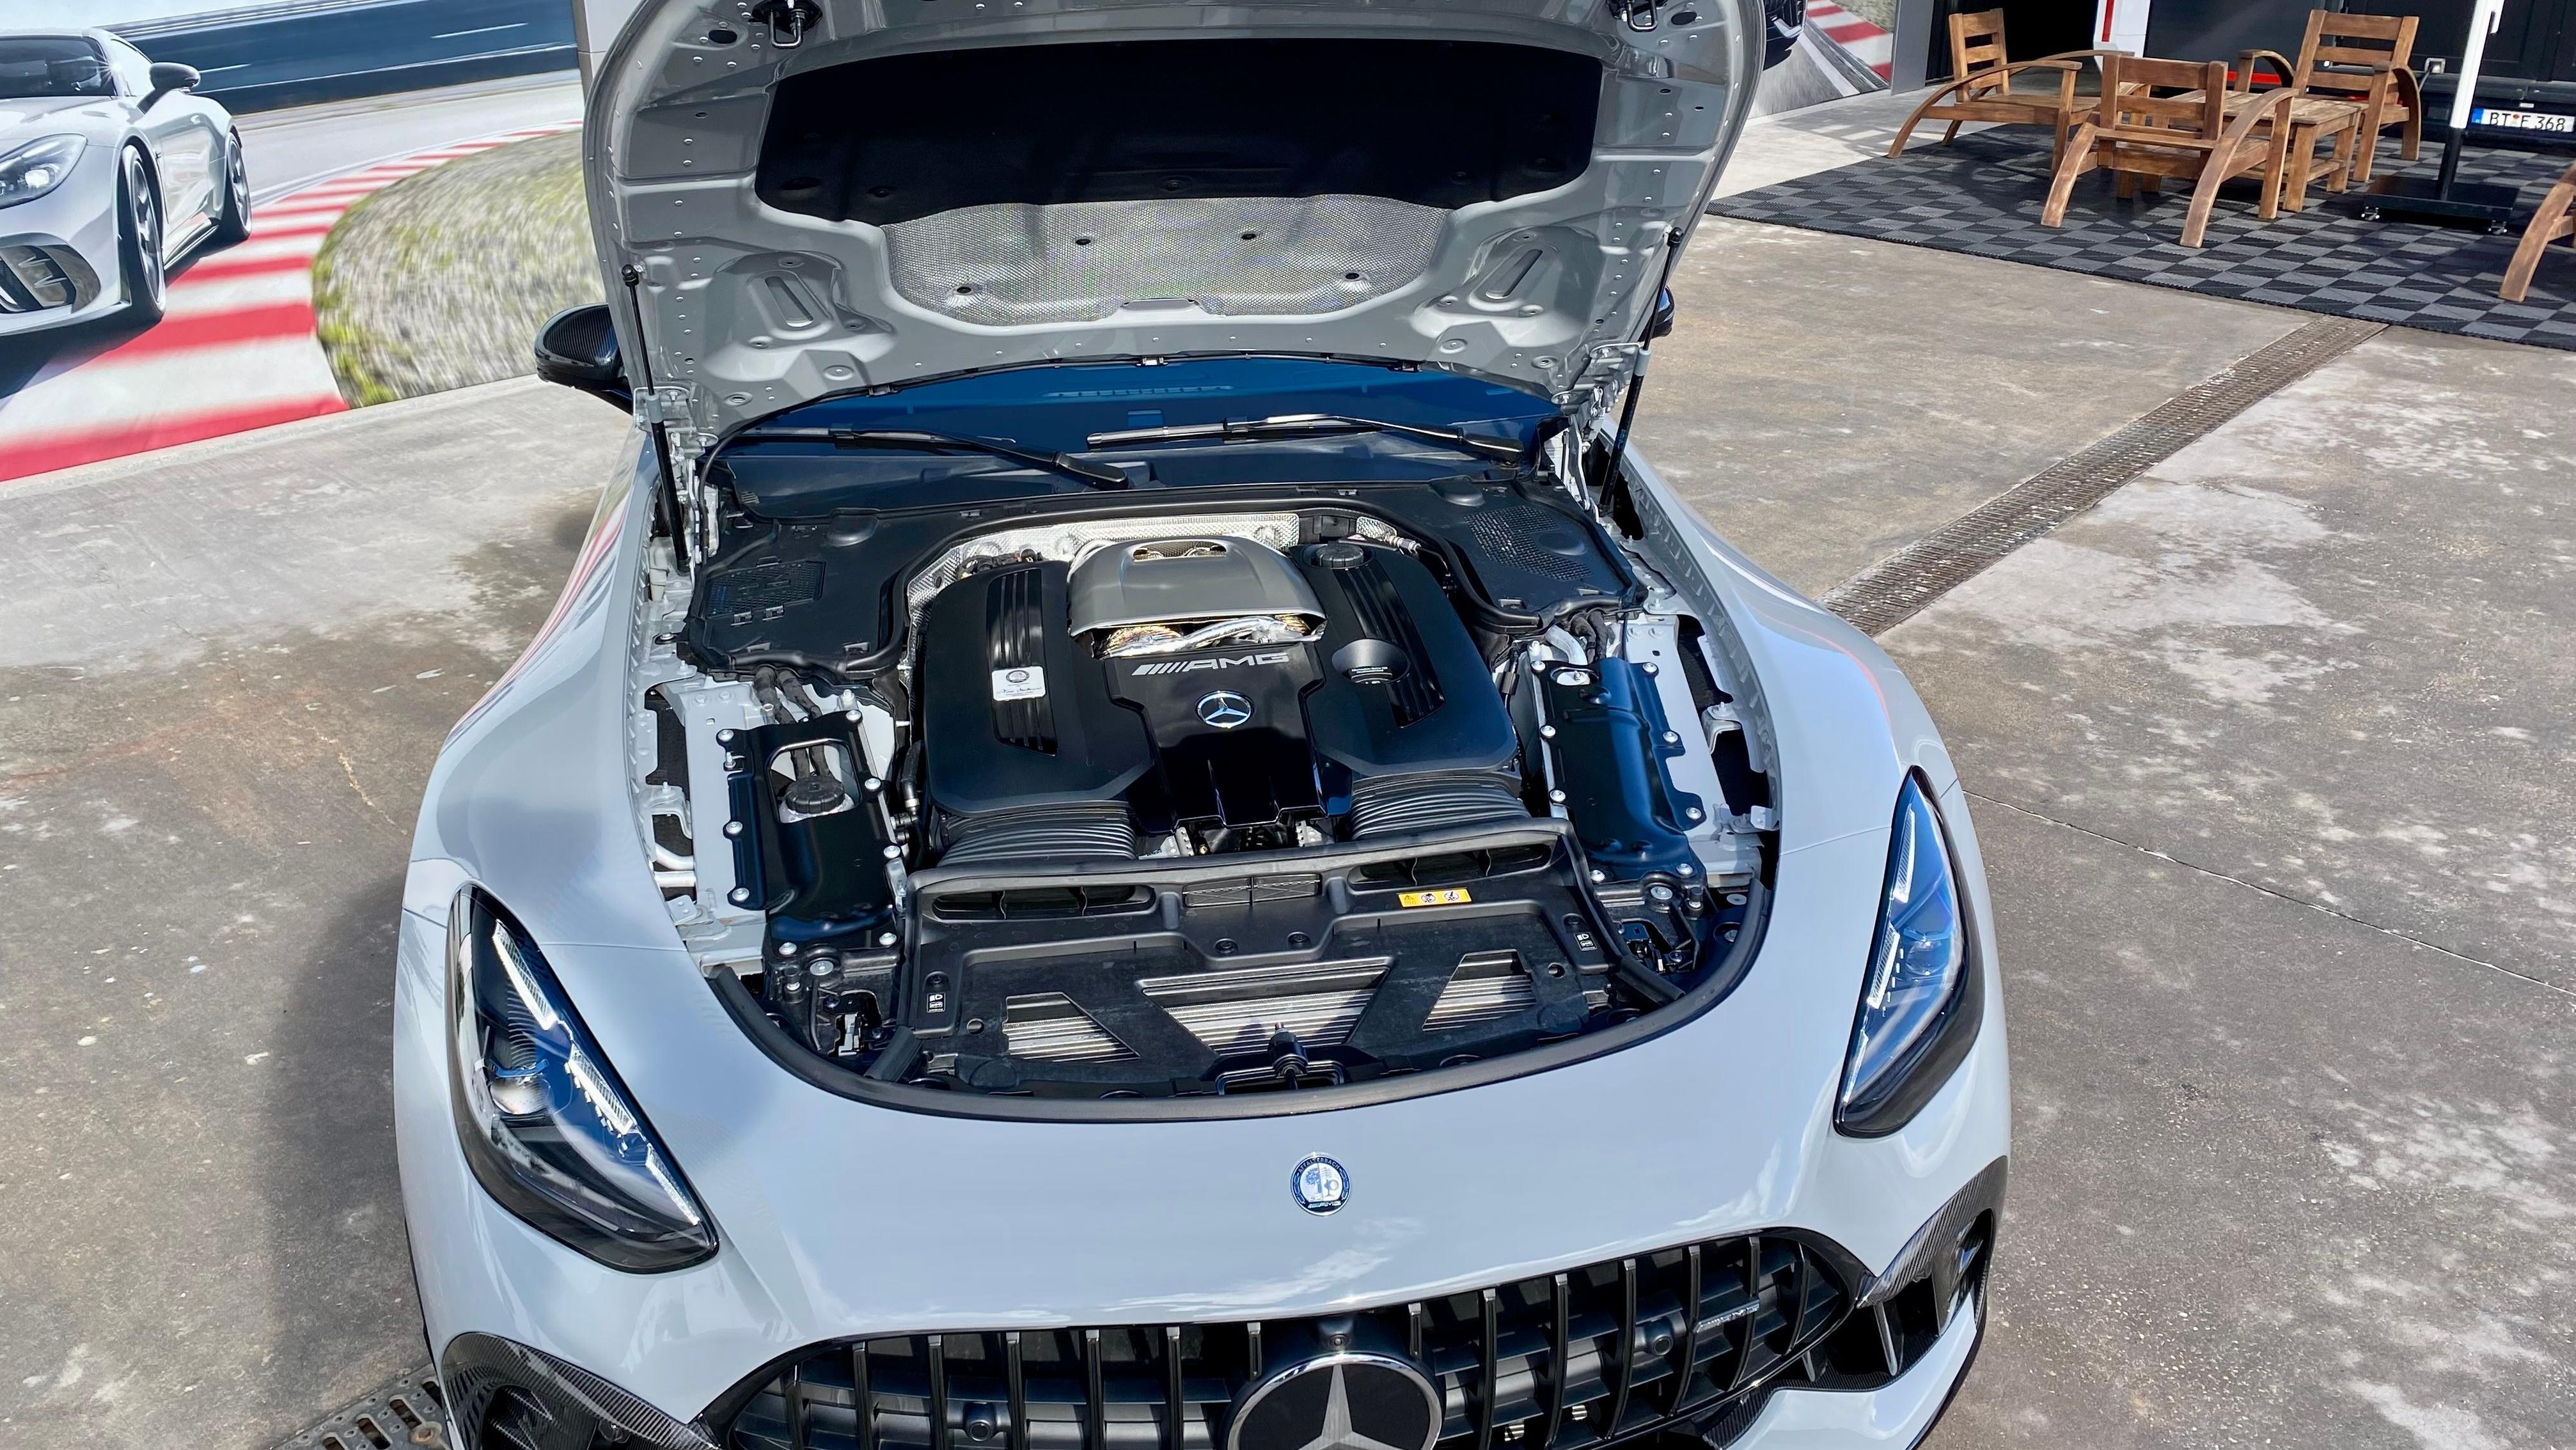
pixel 2270 755
pixel 225 673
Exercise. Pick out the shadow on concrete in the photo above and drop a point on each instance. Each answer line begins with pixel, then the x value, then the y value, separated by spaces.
pixel 329 1127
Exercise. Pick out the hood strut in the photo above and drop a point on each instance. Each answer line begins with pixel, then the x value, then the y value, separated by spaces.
pixel 1659 320
pixel 666 499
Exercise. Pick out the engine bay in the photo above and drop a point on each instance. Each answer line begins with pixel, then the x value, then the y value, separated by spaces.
pixel 1196 793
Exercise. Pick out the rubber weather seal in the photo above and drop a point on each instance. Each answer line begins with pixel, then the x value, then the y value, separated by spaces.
pixel 1898 587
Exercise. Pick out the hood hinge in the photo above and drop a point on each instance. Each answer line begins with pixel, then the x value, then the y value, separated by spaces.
pixel 1611 364
pixel 668 413
pixel 673 404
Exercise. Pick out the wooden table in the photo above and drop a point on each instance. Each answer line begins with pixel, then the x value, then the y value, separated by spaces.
pixel 2312 119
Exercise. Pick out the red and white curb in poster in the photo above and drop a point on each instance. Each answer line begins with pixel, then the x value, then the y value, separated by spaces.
pixel 1864 41
pixel 236 349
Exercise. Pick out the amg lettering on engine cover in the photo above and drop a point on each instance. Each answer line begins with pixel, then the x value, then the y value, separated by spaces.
pixel 1219 662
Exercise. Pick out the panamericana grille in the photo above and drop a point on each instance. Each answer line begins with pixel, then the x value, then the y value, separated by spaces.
pixel 1536 1364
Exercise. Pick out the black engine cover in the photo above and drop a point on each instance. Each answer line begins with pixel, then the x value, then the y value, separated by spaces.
pixel 1237 743
pixel 1405 690
pixel 1015 714
pixel 1229 731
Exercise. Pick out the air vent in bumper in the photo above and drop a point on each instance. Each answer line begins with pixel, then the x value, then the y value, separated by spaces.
pixel 41 278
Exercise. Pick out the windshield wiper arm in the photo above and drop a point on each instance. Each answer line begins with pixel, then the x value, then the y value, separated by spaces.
pixel 1097 475
pixel 1304 425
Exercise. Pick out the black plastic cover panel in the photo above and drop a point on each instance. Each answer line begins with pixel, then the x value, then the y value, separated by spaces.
pixel 1180 978
pixel 825 591
pixel 1016 714
pixel 1609 750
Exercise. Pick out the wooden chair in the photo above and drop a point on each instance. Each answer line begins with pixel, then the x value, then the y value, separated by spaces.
pixel 1981 87
pixel 2162 118
pixel 2357 60
pixel 2547 225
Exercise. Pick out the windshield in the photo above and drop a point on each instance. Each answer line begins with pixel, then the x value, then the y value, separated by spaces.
pixel 47 66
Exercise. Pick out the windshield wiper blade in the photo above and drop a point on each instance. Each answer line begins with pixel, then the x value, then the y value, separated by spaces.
pixel 1097 475
pixel 1304 425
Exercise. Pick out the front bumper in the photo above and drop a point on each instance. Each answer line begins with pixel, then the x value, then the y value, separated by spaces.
pixel 807 1406
pixel 843 1222
pixel 1895 1416
pixel 58 258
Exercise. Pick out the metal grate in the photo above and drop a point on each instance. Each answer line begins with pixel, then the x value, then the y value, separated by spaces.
pixel 408 1411
pixel 1901 585
pixel 1533 538
pixel 1560 1362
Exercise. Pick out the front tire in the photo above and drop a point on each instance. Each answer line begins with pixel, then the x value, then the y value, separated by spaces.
pixel 138 243
pixel 232 224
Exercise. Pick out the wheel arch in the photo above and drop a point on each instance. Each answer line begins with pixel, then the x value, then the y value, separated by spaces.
pixel 151 168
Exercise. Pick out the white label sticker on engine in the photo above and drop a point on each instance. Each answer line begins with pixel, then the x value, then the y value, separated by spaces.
pixel 1025 683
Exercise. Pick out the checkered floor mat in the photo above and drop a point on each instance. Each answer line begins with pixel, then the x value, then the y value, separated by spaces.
pixel 1983 195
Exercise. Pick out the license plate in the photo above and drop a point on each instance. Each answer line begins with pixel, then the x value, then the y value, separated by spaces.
pixel 2523 120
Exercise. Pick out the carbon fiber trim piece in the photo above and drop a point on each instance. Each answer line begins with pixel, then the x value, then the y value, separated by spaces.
pixel 404 1411
pixel 1901 585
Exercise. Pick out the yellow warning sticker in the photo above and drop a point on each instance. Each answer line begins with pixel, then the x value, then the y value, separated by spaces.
pixel 1446 896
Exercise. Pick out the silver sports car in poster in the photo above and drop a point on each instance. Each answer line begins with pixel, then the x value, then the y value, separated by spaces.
pixel 112 171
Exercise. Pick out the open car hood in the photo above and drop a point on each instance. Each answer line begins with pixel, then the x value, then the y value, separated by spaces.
pixel 799 198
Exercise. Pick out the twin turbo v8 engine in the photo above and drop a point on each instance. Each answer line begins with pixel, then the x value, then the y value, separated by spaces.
pixel 1245 794
pixel 1188 696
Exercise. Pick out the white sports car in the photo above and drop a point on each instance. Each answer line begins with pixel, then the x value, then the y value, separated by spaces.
pixel 1141 828
pixel 111 172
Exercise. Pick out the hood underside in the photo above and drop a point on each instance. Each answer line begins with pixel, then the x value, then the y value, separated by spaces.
pixel 799 200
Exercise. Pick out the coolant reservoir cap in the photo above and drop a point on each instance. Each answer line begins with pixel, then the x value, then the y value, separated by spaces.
pixel 1343 555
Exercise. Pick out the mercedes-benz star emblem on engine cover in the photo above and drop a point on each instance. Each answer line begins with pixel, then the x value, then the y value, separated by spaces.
pixel 1224 709
pixel 1319 1184
pixel 1352 1400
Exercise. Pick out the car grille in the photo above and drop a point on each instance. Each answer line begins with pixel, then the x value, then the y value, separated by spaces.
pixel 1536 1364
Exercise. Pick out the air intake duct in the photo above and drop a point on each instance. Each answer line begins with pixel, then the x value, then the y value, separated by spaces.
pixel 1387 805
pixel 1074 831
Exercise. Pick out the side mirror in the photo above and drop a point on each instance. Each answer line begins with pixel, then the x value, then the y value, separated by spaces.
pixel 1661 324
pixel 168 76
pixel 578 348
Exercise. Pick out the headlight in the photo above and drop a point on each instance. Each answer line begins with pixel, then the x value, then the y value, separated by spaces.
pixel 549 1130
pixel 36 168
pixel 1920 1003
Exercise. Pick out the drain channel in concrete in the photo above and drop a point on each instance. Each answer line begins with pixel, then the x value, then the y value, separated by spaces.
pixel 405 1413
pixel 1894 589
